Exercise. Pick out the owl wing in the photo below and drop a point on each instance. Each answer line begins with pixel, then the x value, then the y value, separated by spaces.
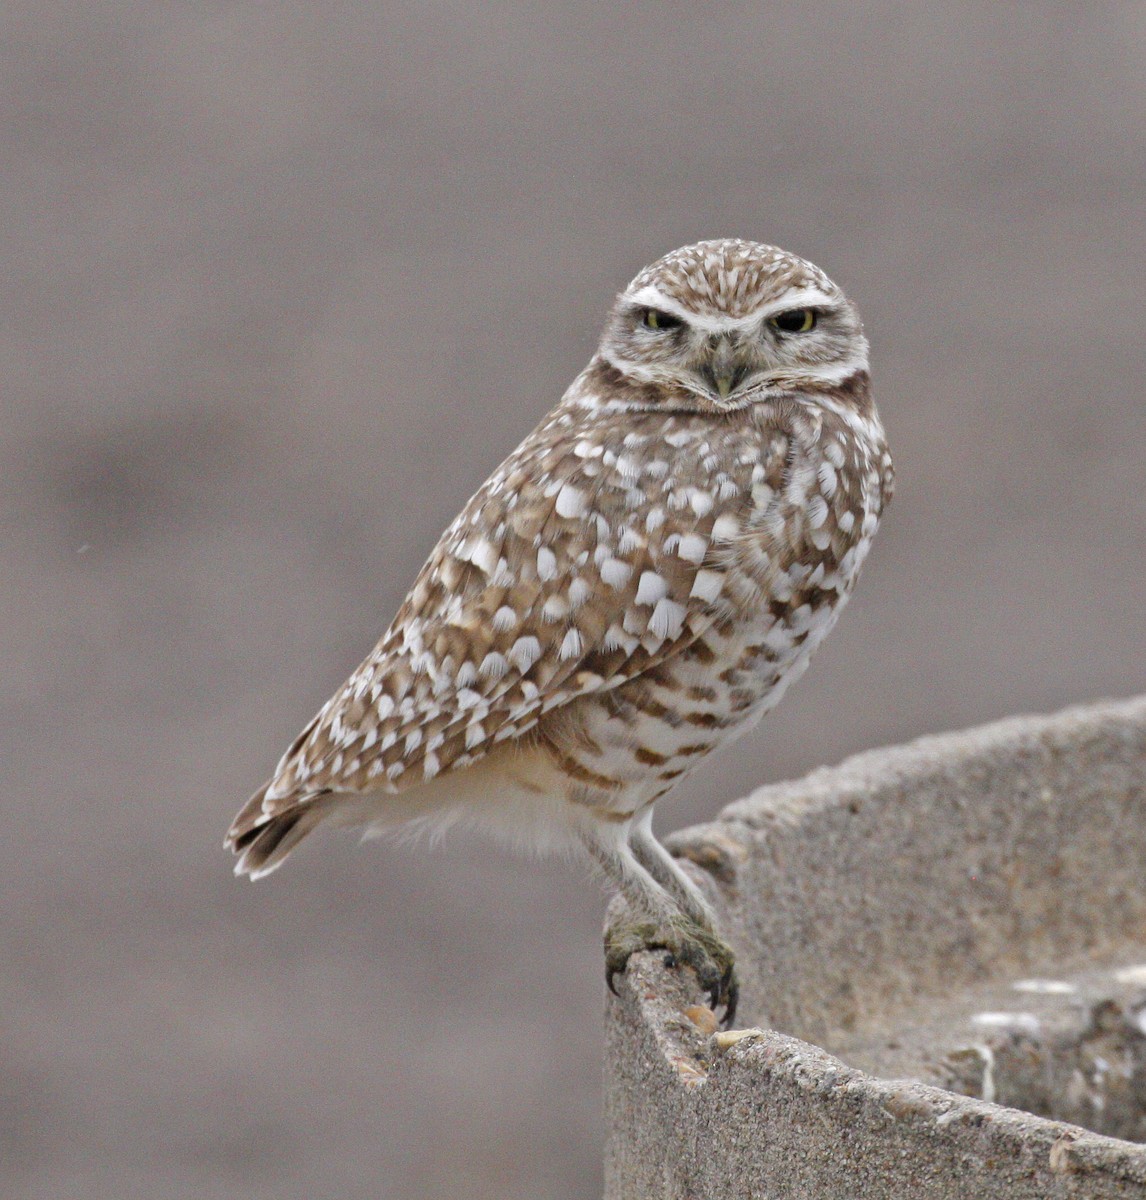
pixel 586 559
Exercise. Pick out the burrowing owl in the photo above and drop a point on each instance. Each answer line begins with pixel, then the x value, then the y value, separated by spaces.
pixel 638 582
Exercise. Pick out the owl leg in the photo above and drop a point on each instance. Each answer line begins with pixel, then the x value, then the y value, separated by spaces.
pixel 665 869
pixel 661 921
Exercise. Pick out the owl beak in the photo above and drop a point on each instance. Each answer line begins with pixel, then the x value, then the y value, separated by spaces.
pixel 724 371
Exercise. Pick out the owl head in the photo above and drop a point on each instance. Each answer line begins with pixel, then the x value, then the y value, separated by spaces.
pixel 723 324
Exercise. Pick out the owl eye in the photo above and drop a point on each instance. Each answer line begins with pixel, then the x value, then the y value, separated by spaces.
pixel 795 320
pixel 653 318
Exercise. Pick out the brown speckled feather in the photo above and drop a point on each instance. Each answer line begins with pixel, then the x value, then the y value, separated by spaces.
pixel 640 580
pixel 523 605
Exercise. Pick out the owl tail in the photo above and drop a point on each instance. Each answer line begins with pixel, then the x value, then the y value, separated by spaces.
pixel 262 842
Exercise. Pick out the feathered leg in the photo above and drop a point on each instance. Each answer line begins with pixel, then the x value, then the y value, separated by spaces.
pixel 682 925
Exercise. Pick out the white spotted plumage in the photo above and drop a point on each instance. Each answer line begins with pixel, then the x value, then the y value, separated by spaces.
pixel 639 581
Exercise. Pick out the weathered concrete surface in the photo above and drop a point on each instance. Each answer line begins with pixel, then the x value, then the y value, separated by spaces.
pixel 1071 1046
pixel 886 910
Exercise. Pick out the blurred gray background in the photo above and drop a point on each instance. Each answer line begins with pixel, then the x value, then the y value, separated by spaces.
pixel 283 283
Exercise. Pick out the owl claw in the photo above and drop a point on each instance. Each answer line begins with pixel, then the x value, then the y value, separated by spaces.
pixel 623 941
pixel 710 958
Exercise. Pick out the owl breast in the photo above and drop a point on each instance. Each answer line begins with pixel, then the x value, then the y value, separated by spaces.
pixel 813 481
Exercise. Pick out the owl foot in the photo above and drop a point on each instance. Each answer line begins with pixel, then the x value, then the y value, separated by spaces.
pixel 710 958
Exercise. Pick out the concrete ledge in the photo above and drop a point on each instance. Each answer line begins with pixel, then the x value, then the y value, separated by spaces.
pixel 966 910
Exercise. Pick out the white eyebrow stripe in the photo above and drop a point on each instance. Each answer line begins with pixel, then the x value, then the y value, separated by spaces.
pixel 652 297
pixel 802 298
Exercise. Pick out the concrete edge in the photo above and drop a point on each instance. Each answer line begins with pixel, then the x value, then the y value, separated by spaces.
pixel 923 757
pixel 750 1104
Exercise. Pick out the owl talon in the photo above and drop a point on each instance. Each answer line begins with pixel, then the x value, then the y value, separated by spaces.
pixel 710 959
pixel 731 998
pixel 714 965
pixel 623 941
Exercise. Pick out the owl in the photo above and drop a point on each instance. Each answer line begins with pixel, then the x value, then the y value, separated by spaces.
pixel 636 585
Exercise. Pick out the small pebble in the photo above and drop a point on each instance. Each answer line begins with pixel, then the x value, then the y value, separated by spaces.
pixel 729 1037
pixel 702 1017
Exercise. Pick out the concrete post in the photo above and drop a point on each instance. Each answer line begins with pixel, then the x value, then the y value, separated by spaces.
pixel 942 950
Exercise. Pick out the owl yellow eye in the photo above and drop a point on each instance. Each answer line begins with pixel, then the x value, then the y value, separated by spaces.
pixel 796 320
pixel 653 318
